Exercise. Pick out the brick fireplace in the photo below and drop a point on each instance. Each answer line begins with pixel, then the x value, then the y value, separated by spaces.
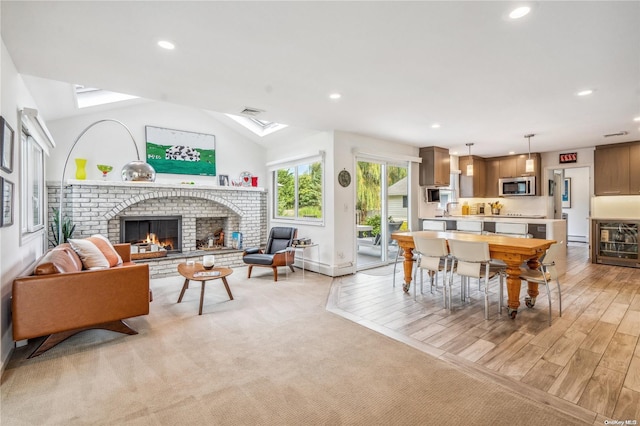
pixel 97 207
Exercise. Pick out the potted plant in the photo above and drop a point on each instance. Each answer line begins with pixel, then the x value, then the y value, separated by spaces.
pixel 67 229
pixel 496 206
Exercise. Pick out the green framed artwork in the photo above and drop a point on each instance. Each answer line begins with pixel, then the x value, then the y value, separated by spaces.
pixel 180 152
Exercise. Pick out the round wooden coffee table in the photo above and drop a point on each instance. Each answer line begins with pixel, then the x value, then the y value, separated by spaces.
pixel 196 272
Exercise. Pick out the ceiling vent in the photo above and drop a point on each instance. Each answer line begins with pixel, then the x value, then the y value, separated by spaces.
pixel 251 111
pixel 616 134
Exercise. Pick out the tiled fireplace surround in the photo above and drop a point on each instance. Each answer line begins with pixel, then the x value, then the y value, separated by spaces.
pixel 95 207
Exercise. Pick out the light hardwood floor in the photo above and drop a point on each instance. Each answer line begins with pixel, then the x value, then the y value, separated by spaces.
pixel 587 363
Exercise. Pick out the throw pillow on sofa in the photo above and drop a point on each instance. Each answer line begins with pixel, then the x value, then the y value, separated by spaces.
pixel 96 252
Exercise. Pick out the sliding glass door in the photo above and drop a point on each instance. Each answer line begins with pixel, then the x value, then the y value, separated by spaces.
pixel 381 208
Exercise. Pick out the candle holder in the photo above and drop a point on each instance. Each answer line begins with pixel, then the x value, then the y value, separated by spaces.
pixel 208 261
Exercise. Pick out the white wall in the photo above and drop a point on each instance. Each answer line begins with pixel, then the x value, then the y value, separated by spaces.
pixel 16 256
pixel 578 213
pixel 109 143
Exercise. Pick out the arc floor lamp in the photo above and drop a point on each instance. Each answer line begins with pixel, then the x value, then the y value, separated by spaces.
pixel 135 171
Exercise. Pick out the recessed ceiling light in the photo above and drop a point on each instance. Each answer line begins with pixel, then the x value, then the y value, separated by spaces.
pixel 166 45
pixel 585 92
pixel 636 119
pixel 519 12
pixel 335 96
pixel 511 152
pixel 435 126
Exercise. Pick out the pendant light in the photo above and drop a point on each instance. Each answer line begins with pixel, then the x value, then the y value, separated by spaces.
pixel 470 165
pixel 529 166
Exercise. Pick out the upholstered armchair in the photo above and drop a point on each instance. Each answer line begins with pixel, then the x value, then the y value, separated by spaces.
pixel 275 254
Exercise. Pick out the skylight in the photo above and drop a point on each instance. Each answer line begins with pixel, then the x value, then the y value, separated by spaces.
pixel 257 126
pixel 91 96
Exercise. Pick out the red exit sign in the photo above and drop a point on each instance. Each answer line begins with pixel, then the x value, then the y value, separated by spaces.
pixel 570 157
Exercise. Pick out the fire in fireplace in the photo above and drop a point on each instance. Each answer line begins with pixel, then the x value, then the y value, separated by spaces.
pixel 163 231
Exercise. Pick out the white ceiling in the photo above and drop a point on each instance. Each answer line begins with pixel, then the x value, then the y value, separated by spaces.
pixel 400 66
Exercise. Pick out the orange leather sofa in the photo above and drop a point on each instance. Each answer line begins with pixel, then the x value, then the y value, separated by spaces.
pixel 61 299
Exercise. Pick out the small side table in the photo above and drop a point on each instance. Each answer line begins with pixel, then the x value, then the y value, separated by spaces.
pixel 302 249
pixel 188 272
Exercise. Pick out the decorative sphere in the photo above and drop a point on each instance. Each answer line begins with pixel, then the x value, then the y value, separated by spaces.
pixel 138 171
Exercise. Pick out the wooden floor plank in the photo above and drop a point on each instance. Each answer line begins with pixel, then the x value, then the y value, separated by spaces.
pixel 632 380
pixel 601 393
pixel 477 350
pixel 575 376
pixel 495 358
pixel 630 324
pixel 563 349
pixel 614 313
pixel 519 364
pixel 600 336
pixel 619 352
pixel 628 405
pixel 543 374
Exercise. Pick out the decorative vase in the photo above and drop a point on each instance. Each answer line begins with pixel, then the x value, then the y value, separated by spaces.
pixel 495 211
pixel 81 172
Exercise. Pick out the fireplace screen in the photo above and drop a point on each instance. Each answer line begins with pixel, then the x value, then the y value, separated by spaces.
pixel 164 231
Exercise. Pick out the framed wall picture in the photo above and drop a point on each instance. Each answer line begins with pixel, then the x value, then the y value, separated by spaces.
pixel 223 180
pixel 6 146
pixel 179 152
pixel 6 208
pixel 566 193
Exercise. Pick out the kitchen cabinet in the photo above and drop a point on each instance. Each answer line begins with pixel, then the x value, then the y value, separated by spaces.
pixel 507 167
pixel 492 174
pixel 611 169
pixel 616 242
pixel 435 166
pixel 516 165
pixel 634 172
pixel 537 230
pixel 472 186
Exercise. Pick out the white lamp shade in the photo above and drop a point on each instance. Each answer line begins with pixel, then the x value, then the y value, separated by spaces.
pixel 469 169
pixel 529 166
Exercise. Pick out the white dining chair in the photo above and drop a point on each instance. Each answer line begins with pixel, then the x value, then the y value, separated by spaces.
pixel 433 256
pixel 427 225
pixel 545 272
pixel 472 259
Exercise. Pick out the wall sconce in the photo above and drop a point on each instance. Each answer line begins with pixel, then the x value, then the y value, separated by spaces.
pixel 529 166
pixel 470 165
pixel 136 170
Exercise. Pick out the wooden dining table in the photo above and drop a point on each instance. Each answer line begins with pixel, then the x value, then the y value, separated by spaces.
pixel 511 250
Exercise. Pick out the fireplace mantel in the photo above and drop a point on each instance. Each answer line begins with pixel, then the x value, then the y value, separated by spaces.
pixel 156 185
pixel 96 206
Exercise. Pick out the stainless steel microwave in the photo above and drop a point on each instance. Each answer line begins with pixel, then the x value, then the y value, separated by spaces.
pixel 511 187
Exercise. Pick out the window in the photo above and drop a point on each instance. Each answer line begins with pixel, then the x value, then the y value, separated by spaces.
pixel 449 195
pixel 259 127
pixel 32 178
pixel 91 96
pixel 299 191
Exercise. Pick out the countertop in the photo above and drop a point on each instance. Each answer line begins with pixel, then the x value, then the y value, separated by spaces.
pixel 496 218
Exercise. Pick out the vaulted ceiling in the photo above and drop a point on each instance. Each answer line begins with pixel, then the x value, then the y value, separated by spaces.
pixel 401 67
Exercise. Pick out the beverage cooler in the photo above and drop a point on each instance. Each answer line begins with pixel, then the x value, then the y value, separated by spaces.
pixel 615 242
